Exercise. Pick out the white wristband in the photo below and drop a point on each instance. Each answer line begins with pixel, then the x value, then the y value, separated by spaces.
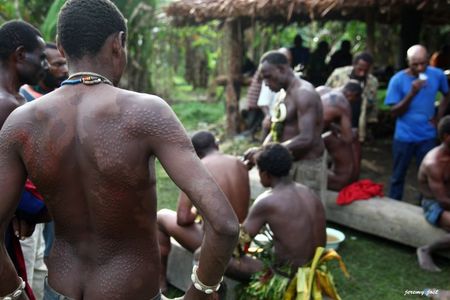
pixel 207 289
pixel 16 293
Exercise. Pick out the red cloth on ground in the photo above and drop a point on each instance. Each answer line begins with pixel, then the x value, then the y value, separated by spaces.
pixel 360 190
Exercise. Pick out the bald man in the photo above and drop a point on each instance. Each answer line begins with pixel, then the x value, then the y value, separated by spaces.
pixel 411 95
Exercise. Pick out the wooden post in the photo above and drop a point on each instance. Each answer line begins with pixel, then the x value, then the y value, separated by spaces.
pixel 411 25
pixel 234 57
pixel 370 31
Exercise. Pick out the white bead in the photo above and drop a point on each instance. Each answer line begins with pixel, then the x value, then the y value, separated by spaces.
pixel 208 291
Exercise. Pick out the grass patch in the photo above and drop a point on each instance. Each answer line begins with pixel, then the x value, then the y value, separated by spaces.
pixel 195 114
pixel 381 269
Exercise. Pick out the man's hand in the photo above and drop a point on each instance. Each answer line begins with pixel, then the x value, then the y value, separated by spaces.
pixel 22 229
pixel 249 157
pixel 417 85
pixel 266 123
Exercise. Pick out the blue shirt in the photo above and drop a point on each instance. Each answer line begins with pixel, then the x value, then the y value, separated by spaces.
pixel 415 124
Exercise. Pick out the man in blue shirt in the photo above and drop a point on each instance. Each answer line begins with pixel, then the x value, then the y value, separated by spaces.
pixel 411 94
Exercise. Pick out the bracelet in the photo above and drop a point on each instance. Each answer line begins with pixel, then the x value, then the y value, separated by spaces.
pixel 201 286
pixel 17 292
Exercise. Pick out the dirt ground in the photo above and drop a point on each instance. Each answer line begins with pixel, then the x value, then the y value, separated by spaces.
pixel 376 164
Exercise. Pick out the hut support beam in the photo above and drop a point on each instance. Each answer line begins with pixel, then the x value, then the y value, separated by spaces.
pixel 234 58
pixel 370 31
pixel 411 25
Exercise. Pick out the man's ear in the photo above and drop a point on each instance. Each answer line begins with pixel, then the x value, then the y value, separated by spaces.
pixel 19 53
pixel 59 46
pixel 118 42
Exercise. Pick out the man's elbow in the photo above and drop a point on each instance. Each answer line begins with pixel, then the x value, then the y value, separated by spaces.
pixel 228 228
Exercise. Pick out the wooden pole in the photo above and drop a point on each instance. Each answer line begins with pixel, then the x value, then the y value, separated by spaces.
pixel 370 31
pixel 234 57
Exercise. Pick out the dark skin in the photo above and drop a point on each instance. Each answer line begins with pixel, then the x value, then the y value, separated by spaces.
pixel 22 67
pixel 91 152
pixel 417 63
pixel 346 160
pixel 57 70
pixel 287 205
pixel 434 183
pixel 340 141
pixel 304 120
pixel 232 177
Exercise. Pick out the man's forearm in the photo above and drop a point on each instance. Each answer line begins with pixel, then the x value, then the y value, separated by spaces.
pixel 217 247
pixel 216 251
pixel 9 280
pixel 401 107
pixel 298 144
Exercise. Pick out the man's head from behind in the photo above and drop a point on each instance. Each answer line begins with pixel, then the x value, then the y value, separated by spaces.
pixel 22 48
pixel 57 67
pixel 86 26
pixel 204 142
pixel 361 66
pixel 352 91
pixel 274 70
pixel 274 160
pixel 444 130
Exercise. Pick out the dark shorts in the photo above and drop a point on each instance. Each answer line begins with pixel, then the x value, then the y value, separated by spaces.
pixel 432 211
pixel 51 294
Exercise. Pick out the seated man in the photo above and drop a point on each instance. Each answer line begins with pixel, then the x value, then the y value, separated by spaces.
pixel 341 143
pixel 232 177
pixel 293 212
pixel 434 184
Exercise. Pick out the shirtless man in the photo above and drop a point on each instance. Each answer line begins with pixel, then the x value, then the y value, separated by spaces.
pixel 293 212
pixel 341 141
pixel 22 60
pixel 232 177
pixel 90 148
pixel 434 184
pixel 297 121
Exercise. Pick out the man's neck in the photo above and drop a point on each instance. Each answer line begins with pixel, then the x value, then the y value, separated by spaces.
pixel 9 80
pixel 91 66
pixel 280 181
pixel 291 82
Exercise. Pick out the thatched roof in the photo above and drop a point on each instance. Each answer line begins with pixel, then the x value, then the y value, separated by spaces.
pixel 185 12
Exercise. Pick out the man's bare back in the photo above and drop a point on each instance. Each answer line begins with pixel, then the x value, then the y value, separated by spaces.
pixel 231 175
pixel 292 211
pixel 293 245
pixel 90 148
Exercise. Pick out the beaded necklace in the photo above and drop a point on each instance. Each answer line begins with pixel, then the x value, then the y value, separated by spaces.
pixel 86 78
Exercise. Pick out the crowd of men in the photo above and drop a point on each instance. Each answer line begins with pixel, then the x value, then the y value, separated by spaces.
pixel 83 154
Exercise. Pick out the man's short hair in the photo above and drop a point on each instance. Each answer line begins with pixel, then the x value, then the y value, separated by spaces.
pixel 274 58
pixel 354 87
pixel 203 141
pixel 365 56
pixel 275 159
pixel 14 34
pixel 444 126
pixel 84 26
